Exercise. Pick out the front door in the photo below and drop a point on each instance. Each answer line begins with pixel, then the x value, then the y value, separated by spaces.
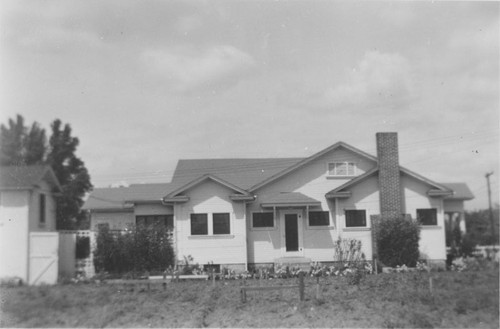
pixel 291 223
pixel 291 233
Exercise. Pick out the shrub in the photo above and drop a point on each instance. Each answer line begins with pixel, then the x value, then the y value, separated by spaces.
pixel 397 241
pixel 139 249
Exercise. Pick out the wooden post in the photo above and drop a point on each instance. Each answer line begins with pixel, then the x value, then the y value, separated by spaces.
pixel 213 276
pixel 430 285
pixel 301 286
pixel 317 289
pixel 164 283
pixel 243 295
pixel 260 277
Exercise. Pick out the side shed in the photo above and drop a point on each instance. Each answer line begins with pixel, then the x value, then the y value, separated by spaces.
pixel 28 238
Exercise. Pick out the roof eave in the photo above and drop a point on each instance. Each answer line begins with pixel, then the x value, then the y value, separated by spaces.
pixel 339 195
pixel 439 193
pixel 290 204
pixel 176 199
pixel 239 197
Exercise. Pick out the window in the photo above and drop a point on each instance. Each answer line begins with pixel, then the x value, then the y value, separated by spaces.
pixel 167 220
pixel 42 209
pixel 355 218
pixel 427 216
pixel 199 224
pixel 221 223
pixel 262 219
pixel 319 218
pixel 341 169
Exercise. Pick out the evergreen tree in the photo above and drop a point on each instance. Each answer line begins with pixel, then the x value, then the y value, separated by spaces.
pixel 22 146
pixel 70 171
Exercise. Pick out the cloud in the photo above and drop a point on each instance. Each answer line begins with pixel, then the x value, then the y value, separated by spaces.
pixel 378 79
pixel 187 68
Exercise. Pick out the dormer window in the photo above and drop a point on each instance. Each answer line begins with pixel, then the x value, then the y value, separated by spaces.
pixel 341 169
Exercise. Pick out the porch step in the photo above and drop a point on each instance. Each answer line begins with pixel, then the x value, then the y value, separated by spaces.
pixel 294 262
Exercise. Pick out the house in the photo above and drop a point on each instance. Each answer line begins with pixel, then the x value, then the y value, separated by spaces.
pixel 241 212
pixel 28 241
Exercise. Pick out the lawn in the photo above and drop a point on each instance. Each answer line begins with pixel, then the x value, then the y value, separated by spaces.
pixel 393 300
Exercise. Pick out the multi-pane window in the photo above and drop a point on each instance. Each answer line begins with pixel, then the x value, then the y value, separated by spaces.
pixel 319 218
pixel 167 220
pixel 427 216
pixel 221 223
pixel 42 208
pixel 341 169
pixel 262 219
pixel 355 218
pixel 199 224
pixel 217 224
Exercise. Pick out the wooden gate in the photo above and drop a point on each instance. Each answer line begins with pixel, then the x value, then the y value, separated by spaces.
pixel 43 257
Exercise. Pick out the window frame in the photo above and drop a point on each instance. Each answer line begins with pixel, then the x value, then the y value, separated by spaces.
pixel 263 228
pixel 347 163
pixel 319 226
pixel 228 223
pixel 435 215
pixel 356 226
pixel 191 224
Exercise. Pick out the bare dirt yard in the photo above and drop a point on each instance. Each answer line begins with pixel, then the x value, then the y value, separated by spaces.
pixel 395 300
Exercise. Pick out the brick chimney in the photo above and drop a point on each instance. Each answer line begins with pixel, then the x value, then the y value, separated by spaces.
pixel 388 175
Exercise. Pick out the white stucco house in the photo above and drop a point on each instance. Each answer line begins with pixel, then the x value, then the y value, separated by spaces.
pixel 241 212
pixel 28 241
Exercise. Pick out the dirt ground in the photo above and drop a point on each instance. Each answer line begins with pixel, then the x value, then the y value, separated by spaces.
pixel 397 300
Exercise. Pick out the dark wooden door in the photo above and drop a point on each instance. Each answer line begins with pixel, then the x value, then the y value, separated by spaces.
pixel 291 232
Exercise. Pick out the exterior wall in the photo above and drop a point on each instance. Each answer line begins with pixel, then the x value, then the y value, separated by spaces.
pixel 432 238
pixel 14 236
pixel 312 180
pixel 118 220
pixel 365 196
pixel 50 210
pixel 210 197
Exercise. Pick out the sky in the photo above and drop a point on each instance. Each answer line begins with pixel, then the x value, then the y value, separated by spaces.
pixel 146 83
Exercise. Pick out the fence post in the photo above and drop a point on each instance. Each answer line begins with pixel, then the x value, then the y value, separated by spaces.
pixel 317 289
pixel 301 285
pixel 243 295
pixel 430 285
pixel 164 284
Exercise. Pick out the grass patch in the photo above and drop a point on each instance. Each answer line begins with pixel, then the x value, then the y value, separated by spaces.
pixel 395 300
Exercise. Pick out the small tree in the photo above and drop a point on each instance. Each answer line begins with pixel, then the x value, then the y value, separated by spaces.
pixel 397 241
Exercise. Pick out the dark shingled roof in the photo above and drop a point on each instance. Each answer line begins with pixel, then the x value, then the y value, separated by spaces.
pixel 18 177
pixel 243 173
pixel 116 197
pixel 461 191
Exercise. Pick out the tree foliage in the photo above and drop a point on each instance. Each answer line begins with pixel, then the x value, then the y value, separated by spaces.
pixel 397 241
pixel 28 146
pixel 478 226
pixel 20 145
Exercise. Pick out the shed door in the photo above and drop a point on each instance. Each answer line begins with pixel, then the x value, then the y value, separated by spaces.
pixel 43 254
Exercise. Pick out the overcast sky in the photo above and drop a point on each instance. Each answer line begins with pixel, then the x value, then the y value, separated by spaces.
pixel 145 83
